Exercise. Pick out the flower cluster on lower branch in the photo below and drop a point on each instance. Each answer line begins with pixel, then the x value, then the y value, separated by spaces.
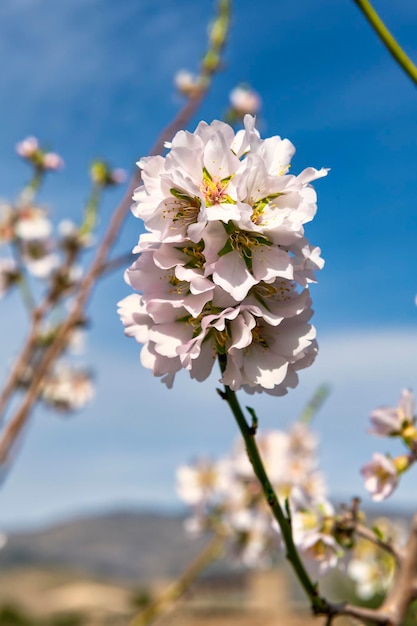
pixel 225 497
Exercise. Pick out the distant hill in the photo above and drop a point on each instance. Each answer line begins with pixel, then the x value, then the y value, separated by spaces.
pixel 124 545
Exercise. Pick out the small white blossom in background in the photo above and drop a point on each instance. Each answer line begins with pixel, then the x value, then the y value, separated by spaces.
pixel 30 150
pixel 27 148
pixel 67 388
pixel 382 473
pixel 226 495
pixel 390 421
pixel 381 476
pixel 371 568
pixel 245 100
pixel 104 176
pixel 72 238
pixel 31 222
pixel 312 525
pixel 186 82
pixel 224 267
pixel 40 257
pixel 9 275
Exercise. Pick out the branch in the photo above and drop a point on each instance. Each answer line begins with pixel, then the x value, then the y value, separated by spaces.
pixel 177 589
pixel 387 39
pixel 403 591
pixel 368 534
pixel 318 604
pixel 20 417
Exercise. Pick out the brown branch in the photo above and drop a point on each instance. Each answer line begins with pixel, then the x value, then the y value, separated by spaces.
pixel 20 417
pixel 24 356
pixel 164 602
pixel 368 534
pixel 403 591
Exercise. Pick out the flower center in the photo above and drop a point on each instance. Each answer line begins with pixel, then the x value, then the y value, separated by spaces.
pixel 214 189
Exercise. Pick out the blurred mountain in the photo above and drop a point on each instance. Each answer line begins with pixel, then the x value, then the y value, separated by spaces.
pixel 123 545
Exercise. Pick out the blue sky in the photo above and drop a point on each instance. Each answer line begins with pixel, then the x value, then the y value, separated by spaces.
pixel 96 80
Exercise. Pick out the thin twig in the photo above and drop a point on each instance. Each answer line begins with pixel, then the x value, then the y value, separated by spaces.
pixel 387 39
pixel 366 533
pixel 402 592
pixel 165 601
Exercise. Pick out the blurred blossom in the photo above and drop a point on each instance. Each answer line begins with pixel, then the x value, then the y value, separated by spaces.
pixel 226 495
pixel 32 223
pixel 9 274
pixel 40 257
pixel 30 150
pixel 186 82
pixel 312 526
pixel 52 161
pixel 245 100
pixel 103 176
pixel 6 223
pixel 381 476
pixel 67 388
pixel 27 148
pixel 389 421
pixel 72 237
pixel 204 481
pixel 76 341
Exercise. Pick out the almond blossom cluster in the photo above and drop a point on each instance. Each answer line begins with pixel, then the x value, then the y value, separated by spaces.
pixel 225 496
pixel 382 473
pixel 54 259
pixel 224 266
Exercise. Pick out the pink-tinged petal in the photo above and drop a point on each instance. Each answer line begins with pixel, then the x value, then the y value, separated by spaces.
pixel 271 261
pixel 232 275
pixel 407 404
pixel 218 158
pixel 241 330
pixel 264 368
pixel 201 368
pixel 381 477
pixel 310 174
pixel 169 337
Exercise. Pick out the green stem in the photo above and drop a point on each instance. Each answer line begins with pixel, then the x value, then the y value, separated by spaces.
pixel 318 604
pixel 90 213
pixel 314 404
pixel 165 601
pixel 387 39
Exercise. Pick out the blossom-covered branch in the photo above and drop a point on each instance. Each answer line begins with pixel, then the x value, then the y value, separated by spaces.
pixel 210 65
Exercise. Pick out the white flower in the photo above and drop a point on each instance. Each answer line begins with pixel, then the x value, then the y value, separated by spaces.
pixel 312 527
pixel 32 223
pixel 28 147
pixel 186 82
pixel 245 100
pixel 68 389
pixel 9 274
pixel 388 421
pixel 224 260
pixel 30 150
pixel 52 161
pixel 381 476
pixel 40 257
pixel 203 481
